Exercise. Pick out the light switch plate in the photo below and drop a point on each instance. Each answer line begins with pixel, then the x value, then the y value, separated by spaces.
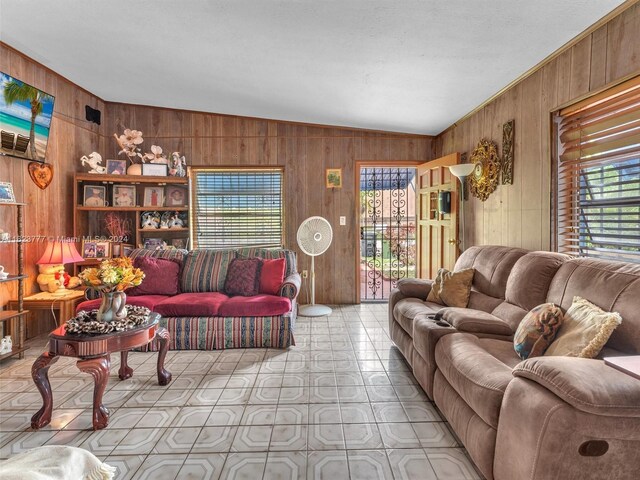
pixel 343 220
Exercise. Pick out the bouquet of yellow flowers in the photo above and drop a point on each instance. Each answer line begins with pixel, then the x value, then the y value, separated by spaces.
pixel 113 275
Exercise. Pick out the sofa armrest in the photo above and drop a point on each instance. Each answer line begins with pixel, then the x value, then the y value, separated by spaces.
pixel 415 287
pixel 586 384
pixel 291 286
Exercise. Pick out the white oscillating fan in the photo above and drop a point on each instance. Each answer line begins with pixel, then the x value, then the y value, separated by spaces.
pixel 314 237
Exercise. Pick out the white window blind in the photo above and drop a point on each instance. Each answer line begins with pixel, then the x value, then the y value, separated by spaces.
pixel 237 208
pixel 599 176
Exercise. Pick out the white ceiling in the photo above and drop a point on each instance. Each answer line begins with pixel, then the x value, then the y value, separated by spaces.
pixel 412 66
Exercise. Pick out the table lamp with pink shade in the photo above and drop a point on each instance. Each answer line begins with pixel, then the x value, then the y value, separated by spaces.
pixel 51 266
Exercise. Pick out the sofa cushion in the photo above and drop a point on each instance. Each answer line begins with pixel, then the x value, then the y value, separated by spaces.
pixel 243 277
pixel 149 301
pixel 451 288
pixel 204 304
pixel 476 321
pixel 478 369
pixel 585 330
pixel 537 330
pixel 271 253
pixel 256 306
pixel 161 276
pixel 205 270
pixel 492 264
pixel 272 276
pixel 406 310
pixel 529 280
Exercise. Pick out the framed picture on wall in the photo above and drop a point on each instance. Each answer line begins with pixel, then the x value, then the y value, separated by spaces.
pixel 333 177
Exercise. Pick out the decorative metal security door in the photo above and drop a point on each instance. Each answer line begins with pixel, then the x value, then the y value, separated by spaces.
pixel 387 229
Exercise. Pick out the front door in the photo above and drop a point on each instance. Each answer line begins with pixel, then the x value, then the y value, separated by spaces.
pixel 437 212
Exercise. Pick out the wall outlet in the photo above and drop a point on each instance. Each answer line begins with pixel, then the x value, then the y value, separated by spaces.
pixel 305 274
pixel 343 220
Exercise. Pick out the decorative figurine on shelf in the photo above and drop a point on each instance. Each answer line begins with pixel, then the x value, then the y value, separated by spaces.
pixel 164 221
pixel 177 165
pixel 94 161
pixel 175 221
pixel 6 345
pixel 3 274
pixel 150 220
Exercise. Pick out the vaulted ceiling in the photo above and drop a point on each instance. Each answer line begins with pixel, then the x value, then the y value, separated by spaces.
pixel 412 66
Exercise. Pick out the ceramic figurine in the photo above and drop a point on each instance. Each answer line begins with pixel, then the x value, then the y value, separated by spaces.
pixel 150 220
pixel 175 221
pixel 3 274
pixel 6 345
pixel 165 220
pixel 177 165
pixel 94 161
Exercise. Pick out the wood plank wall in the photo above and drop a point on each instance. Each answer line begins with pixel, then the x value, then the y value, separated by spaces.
pixel 303 150
pixel 519 215
pixel 49 212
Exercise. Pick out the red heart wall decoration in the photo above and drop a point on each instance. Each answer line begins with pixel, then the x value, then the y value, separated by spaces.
pixel 41 174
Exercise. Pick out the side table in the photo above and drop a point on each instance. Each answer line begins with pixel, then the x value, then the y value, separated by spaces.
pixel 65 304
pixel 94 357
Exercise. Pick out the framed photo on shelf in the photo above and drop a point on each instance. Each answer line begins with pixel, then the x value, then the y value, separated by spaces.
pixel 103 250
pixel 176 196
pixel 154 243
pixel 88 249
pixel 181 243
pixel 333 177
pixel 124 196
pixel 116 167
pixel 6 193
pixel 126 249
pixel 94 196
pixel 153 196
pixel 154 169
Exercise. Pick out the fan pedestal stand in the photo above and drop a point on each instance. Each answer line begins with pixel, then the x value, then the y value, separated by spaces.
pixel 314 310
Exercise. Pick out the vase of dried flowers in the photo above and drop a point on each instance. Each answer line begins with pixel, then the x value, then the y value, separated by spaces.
pixel 112 278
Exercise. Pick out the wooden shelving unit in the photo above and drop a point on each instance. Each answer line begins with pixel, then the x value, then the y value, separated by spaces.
pixel 89 221
pixel 16 317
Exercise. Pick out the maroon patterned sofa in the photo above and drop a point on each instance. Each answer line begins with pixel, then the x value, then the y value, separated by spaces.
pixel 202 317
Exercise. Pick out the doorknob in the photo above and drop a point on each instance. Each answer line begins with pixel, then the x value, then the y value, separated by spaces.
pixel 452 241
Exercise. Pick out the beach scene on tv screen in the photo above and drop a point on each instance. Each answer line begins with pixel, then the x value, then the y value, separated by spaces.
pixel 25 119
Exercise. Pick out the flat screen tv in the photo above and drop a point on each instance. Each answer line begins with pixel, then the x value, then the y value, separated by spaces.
pixel 25 119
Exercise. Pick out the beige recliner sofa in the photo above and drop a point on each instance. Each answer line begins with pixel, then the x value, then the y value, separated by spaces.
pixel 542 418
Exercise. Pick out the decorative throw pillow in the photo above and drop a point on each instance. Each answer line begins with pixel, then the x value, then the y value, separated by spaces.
pixel 537 330
pixel 585 330
pixel 452 288
pixel 243 277
pixel 272 276
pixel 161 277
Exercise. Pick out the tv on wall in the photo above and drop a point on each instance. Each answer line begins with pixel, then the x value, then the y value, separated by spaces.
pixel 25 119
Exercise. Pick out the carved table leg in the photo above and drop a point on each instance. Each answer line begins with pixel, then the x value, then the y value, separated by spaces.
pixel 99 370
pixel 164 376
pixel 39 373
pixel 125 370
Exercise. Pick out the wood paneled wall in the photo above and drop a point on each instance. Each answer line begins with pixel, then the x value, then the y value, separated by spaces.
pixel 303 150
pixel 519 215
pixel 48 212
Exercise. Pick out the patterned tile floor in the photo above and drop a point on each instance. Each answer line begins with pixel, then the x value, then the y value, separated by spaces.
pixel 341 404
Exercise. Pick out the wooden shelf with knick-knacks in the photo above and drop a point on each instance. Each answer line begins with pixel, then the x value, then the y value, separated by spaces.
pixel 114 213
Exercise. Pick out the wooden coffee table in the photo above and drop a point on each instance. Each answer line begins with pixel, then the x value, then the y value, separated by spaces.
pixel 94 357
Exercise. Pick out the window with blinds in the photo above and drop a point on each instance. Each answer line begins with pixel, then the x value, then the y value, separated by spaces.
pixel 236 208
pixel 598 193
